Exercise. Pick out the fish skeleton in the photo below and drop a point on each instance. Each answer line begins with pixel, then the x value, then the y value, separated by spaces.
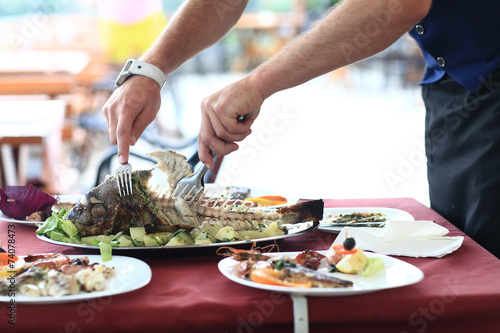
pixel 102 211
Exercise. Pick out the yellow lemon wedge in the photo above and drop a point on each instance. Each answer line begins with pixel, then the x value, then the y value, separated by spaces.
pixel 10 265
pixel 352 263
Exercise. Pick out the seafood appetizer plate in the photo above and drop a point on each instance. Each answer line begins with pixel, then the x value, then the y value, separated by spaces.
pixel 130 274
pixel 293 231
pixel 397 273
pixel 387 214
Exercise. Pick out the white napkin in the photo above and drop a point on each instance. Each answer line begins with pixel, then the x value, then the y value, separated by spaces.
pixel 403 238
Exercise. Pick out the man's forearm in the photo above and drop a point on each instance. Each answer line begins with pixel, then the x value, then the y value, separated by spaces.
pixel 197 25
pixel 353 31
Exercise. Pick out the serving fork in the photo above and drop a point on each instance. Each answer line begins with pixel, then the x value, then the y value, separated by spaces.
pixel 194 184
pixel 123 177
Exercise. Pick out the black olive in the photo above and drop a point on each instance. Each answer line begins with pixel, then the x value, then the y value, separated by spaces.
pixel 349 243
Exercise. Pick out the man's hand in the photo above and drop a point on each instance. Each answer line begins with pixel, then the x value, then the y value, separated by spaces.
pixel 129 110
pixel 220 124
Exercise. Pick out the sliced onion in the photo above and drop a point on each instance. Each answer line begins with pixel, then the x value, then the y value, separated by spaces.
pixel 18 202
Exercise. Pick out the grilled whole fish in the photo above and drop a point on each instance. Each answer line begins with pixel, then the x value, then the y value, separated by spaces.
pixel 104 212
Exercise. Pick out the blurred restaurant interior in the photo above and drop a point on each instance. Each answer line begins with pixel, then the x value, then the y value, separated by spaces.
pixel 360 127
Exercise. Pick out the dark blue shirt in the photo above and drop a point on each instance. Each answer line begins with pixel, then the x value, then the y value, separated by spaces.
pixel 460 38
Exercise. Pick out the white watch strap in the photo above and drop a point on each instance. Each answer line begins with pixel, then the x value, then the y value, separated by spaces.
pixel 138 67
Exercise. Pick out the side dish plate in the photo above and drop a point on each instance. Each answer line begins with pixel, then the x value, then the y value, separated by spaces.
pixel 390 214
pixel 131 274
pixel 397 274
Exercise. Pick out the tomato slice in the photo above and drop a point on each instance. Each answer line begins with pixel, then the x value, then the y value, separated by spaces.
pixel 6 258
pixel 10 264
pixel 270 276
pixel 340 249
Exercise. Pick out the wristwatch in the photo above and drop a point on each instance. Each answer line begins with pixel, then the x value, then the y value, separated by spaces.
pixel 137 67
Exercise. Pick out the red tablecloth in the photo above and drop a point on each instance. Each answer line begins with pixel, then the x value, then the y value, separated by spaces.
pixel 187 293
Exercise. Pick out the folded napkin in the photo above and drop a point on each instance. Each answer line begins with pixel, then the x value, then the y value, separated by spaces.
pixel 403 238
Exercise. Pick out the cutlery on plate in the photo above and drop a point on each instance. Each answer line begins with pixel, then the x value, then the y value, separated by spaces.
pixel 194 184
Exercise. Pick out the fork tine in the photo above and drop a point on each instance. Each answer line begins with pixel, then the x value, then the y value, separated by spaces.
pixel 129 183
pixel 121 185
pixel 118 177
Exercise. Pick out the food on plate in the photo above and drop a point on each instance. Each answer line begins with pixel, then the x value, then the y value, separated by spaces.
pixel 243 195
pixel 47 260
pixel 238 193
pixel 10 264
pixel 55 274
pixel 282 270
pixel 269 275
pixel 26 203
pixel 308 269
pixel 207 233
pixel 58 228
pixel 352 263
pixel 349 259
pixel 268 200
pixel 103 212
pixel 365 219
pixel 309 259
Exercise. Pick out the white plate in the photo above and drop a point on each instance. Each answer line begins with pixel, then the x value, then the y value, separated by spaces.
pixel 390 214
pixel 63 199
pixel 397 274
pixel 130 274
pixel 254 192
pixel 6 218
pixel 293 231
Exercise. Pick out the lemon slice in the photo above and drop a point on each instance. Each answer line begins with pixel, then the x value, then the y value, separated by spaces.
pixel 352 263
pixel 12 268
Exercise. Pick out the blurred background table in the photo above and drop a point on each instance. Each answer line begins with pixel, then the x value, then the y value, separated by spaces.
pixel 49 73
pixel 25 123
